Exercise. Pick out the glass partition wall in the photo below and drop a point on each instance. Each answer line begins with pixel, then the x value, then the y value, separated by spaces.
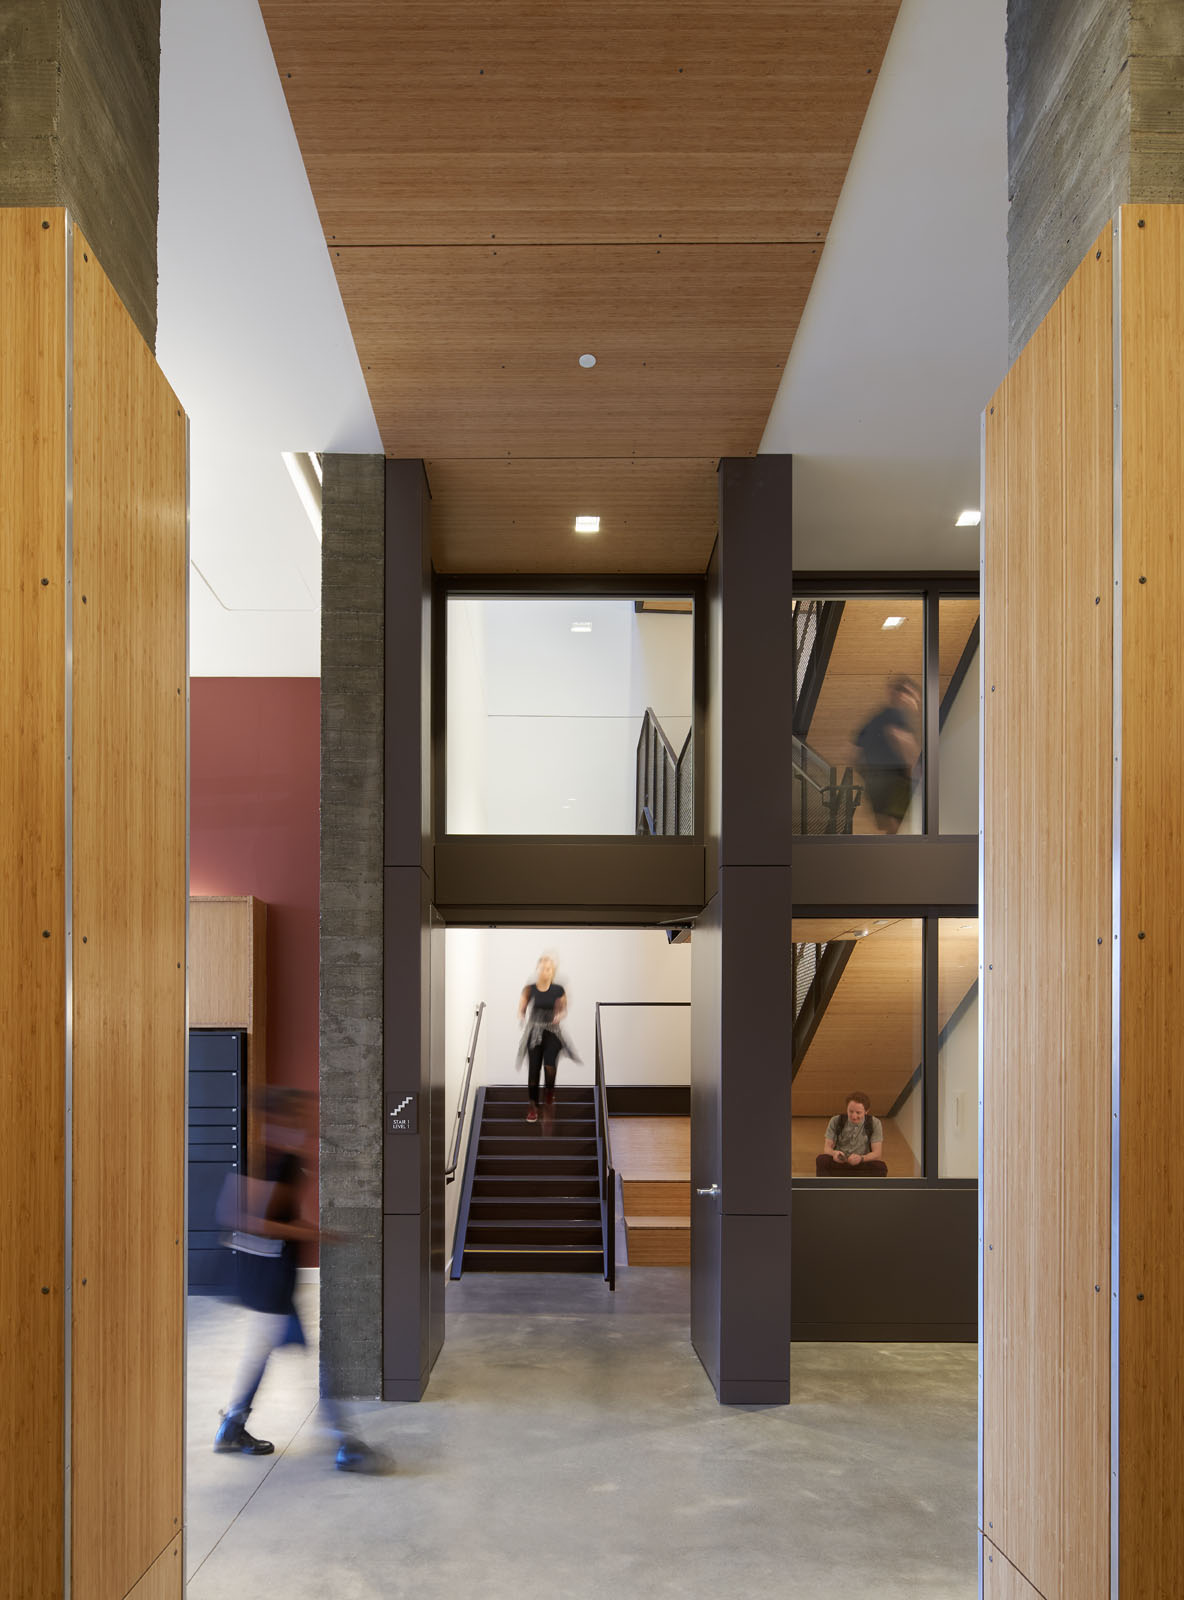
pixel 885 719
pixel 886 1014
pixel 569 715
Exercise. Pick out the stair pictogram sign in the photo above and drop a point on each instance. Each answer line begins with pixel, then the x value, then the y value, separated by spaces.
pixel 402 1113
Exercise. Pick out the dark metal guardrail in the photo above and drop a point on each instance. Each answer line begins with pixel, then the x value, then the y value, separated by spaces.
pixel 665 781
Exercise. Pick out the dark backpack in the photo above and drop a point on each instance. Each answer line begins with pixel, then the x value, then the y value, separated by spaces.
pixel 867 1122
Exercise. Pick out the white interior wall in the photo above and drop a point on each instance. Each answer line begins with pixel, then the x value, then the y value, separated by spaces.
pixel 958 1086
pixel 467 719
pixel 958 757
pixel 910 1122
pixel 543 721
pixel 495 964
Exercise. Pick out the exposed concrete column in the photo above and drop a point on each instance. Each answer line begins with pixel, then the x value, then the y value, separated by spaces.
pixel 351 998
pixel 79 127
pixel 1095 93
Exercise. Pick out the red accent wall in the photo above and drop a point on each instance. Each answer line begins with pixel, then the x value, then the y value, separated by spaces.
pixel 255 772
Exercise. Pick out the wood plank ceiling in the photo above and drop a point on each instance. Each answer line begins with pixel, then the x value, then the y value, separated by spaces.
pixel 505 188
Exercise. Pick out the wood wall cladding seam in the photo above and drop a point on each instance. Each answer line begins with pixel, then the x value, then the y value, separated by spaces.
pixel 32 892
pixel 1151 1185
pixel 129 777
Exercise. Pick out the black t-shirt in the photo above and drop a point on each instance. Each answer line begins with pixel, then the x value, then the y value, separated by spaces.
pixel 266 1283
pixel 874 744
pixel 542 1002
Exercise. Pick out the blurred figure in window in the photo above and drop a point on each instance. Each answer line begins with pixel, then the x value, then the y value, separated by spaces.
pixel 266 1230
pixel 854 1142
pixel 889 748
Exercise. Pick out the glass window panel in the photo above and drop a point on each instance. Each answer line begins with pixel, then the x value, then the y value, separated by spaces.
pixel 569 716
pixel 957 1057
pixel 958 747
pixel 858 1028
pixel 858 715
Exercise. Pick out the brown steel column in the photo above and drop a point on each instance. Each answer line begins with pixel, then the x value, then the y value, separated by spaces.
pixel 413 960
pixel 740 1075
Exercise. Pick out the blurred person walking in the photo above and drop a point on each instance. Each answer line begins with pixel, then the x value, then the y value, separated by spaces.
pixel 889 746
pixel 263 1215
pixel 542 1006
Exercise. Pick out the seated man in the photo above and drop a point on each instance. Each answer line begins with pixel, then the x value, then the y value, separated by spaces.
pixel 854 1142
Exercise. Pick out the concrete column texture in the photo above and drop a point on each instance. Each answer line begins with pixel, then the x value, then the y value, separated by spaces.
pixel 1095 119
pixel 351 992
pixel 79 127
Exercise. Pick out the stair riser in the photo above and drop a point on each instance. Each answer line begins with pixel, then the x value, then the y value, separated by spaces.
pixel 498 1094
pixel 517 1167
pixel 489 1188
pixel 528 1261
pixel 512 1235
pixel 530 1146
pixel 502 1211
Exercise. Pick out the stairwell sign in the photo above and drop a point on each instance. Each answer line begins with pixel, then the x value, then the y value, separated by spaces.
pixel 402 1113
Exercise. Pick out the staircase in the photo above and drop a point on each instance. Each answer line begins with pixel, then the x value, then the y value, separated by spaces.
pixel 531 1200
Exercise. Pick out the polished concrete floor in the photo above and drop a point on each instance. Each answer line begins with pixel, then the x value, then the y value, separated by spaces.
pixel 569 1446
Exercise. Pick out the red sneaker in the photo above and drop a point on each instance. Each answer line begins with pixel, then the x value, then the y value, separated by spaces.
pixel 533 1114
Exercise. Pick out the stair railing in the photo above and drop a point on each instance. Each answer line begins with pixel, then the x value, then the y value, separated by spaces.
pixel 823 801
pixel 665 781
pixel 608 1176
pixel 454 1158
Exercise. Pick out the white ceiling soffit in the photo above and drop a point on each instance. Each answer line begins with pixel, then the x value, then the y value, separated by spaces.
pixel 252 336
pixel 904 337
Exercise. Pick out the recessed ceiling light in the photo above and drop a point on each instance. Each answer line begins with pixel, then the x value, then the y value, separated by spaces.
pixel 581 627
pixel 587 524
pixel 969 519
pixel 587 361
pixel 861 933
pixel 894 622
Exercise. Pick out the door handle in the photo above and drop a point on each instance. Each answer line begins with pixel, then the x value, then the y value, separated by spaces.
pixel 714 1189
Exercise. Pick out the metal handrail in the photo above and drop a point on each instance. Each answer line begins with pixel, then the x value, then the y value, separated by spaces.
pixel 660 778
pixel 608 1176
pixel 608 1205
pixel 450 1170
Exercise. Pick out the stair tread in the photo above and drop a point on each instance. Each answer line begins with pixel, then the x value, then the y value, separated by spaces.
pixel 657 1222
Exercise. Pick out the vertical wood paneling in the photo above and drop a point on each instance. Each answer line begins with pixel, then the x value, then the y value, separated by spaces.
pixel 1151 1194
pixel 1046 617
pixel 164 1579
pixel 129 947
pixel 1001 1581
pixel 32 895
pixel 1085 628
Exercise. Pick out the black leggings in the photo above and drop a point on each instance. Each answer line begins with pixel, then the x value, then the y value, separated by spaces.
pixel 545 1054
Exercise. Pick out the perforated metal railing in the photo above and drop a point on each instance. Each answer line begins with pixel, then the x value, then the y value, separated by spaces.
pixel 665 781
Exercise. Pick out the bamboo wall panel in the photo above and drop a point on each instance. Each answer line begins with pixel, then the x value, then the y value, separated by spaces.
pixel 1046 924
pixel 1001 1581
pixel 129 947
pixel 1151 1194
pixel 164 1579
pixel 496 516
pixel 598 119
pixel 473 352
pixel 32 894
pixel 220 961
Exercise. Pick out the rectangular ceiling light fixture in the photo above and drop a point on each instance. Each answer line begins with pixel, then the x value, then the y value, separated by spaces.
pixel 587 524
pixel 893 622
pixel 581 627
pixel 969 519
